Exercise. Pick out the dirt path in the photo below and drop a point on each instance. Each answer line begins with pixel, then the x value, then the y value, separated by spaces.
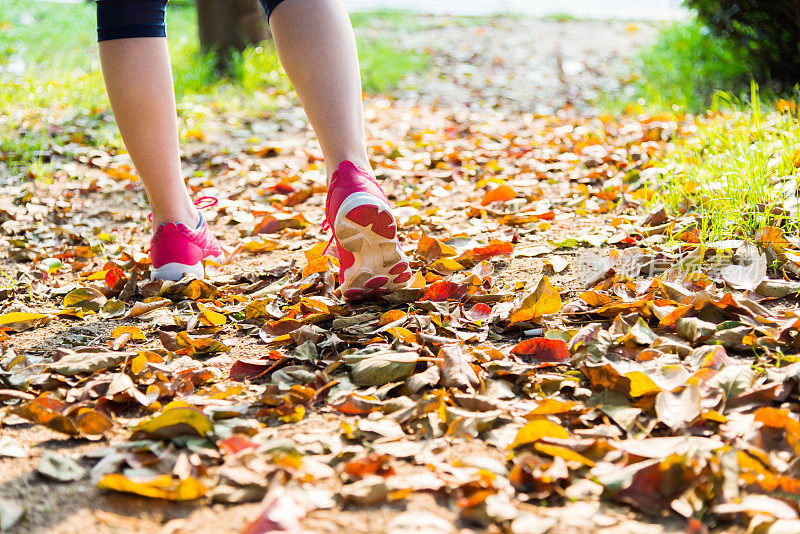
pixel 516 65
pixel 657 10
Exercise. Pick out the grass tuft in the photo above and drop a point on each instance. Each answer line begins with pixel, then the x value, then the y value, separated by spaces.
pixel 738 173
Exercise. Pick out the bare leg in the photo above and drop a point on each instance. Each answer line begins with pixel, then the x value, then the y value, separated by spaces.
pixel 139 84
pixel 317 48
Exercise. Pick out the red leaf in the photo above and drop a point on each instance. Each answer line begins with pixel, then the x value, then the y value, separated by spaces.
pixel 236 443
pixel 372 464
pixel 113 276
pixel 494 248
pixel 442 290
pixel 244 369
pixel 542 349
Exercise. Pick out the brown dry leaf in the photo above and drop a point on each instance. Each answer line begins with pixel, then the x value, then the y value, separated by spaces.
pixel 456 369
pixel 431 249
pixel 677 410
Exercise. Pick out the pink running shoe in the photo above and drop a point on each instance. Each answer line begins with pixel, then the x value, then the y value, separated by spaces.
pixel 176 249
pixel 370 258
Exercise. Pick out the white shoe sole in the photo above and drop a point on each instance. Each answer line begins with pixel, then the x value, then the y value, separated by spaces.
pixel 380 265
pixel 175 271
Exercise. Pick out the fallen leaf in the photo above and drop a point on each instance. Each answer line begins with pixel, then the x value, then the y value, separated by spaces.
pixel 21 321
pixel 544 299
pixel 176 422
pixel 502 193
pixel 537 429
pixel 60 468
pixel 541 349
pixel 382 368
pixel 158 487
pixel 456 369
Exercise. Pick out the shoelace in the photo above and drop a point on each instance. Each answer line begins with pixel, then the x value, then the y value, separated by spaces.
pixel 325 227
pixel 200 203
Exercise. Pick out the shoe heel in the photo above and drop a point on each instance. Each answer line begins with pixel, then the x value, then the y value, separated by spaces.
pixel 176 271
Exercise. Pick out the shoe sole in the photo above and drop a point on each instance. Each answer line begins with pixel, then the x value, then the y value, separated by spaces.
pixel 175 271
pixel 366 228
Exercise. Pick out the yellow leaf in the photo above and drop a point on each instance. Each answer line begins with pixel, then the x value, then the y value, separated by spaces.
pixel 85 298
pixel 259 244
pixel 541 301
pixel 317 251
pixel 297 413
pixel 189 489
pixel 212 318
pixel 159 487
pixel 403 334
pixel 563 452
pixel 135 332
pixel 98 275
pixel 431 249
pixel 176 422
pixel 122 172
pixel 417 281
pixel 138 363
pixel 538 429
pixel 553 406
pixel 19 321
pixel 713 415
pixel 315 305
pixel 317 265
pixel 195 134
pixel 446 266
pixel 257 308
pixel 641 384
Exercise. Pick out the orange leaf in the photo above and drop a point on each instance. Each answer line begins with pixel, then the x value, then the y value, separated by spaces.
pixel 541 349
pixel 494 248
pixel 502 193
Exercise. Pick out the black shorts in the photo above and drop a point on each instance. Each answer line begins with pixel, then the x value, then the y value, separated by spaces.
pixel 121 19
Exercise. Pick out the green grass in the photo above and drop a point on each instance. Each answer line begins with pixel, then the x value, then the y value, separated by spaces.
pixel 51 86
pixel 686 66
pixel 561 17
pixel 734 172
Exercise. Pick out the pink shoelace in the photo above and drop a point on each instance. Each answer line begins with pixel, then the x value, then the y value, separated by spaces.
pixel 200 203
pixel 325 227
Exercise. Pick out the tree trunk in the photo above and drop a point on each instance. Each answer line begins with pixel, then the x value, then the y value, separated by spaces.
pixel 228 25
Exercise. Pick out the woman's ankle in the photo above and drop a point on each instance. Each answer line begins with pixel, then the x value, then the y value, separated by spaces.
pixel 190 217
